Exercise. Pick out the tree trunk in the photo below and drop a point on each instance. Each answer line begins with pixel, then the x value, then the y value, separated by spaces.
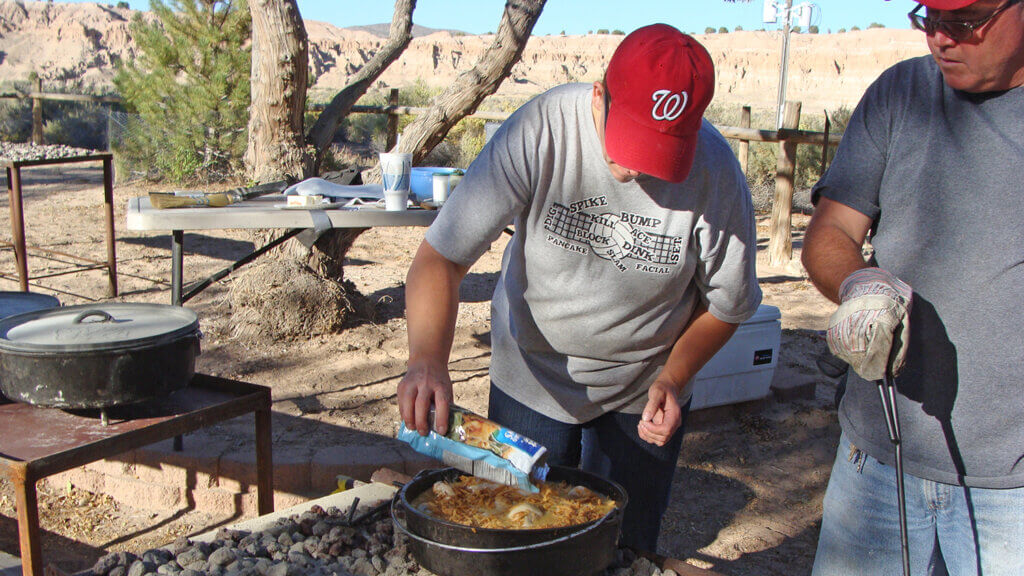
pixel 277 149
pixel 322 132
pixel 472 86
pixel 279 80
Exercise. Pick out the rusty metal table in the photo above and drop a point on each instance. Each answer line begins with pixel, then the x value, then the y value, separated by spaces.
pixel 39 442
pixel 14 186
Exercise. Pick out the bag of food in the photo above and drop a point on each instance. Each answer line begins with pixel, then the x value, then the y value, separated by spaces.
pixel 483 448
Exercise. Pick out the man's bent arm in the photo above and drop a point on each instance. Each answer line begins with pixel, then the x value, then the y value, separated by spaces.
pixel 703 336
pixel 833 245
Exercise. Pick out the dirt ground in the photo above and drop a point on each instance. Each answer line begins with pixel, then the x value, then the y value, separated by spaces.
pixel 747 492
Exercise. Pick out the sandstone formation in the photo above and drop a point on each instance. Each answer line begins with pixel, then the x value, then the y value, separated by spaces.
pixel 73 47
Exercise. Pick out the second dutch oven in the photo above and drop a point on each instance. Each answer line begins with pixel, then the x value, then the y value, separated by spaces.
pixel 97 355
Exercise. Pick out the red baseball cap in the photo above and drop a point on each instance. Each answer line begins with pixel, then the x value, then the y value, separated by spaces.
pixel 946 4
pixel 659 83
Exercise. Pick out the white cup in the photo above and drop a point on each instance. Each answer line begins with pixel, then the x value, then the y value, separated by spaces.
pixel 441 183
pixel 395 174
pixel 396 200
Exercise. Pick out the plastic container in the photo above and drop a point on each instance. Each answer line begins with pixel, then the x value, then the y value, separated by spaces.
pixel 742 370
pixel 422 181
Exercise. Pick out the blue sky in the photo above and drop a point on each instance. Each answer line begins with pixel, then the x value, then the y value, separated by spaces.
pixel 581 16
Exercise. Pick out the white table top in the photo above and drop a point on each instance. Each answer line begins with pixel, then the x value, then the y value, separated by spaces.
pixel 262 213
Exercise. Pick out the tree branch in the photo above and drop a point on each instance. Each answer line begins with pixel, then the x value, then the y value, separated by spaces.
pixel 322 132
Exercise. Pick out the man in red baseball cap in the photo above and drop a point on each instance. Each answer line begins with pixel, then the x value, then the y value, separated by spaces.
pixel 632 263
pixel 930 170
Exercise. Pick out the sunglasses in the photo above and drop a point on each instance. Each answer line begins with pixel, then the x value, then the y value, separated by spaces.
pixel 956 30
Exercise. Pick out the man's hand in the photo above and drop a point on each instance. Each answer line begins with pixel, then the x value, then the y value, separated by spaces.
pixel 662 416
pixel 422 386
pixel 871 327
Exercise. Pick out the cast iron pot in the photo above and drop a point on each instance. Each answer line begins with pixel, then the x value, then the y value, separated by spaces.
pixel 12 303
pixel 450 549
pixel 97 355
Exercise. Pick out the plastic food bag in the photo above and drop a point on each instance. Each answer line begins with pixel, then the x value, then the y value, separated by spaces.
pixel 483 448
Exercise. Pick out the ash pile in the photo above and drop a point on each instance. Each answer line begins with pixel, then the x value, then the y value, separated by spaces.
pixel 318 542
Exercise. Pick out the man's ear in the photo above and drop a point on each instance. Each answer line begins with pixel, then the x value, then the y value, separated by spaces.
pixel 597 95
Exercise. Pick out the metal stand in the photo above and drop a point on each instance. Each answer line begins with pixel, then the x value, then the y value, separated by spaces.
pixel 887 391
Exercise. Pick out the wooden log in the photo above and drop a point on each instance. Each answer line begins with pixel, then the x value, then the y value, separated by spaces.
pixel 392 128
pixel 780 242
pixel 37 112
pixel 744 147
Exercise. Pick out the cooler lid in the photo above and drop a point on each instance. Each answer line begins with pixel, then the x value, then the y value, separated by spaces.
pixel 765 313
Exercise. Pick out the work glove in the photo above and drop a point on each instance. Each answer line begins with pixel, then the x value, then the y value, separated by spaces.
pixel 871 328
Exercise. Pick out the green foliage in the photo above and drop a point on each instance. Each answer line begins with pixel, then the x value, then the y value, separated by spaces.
pixel 762 157
pixel 709 30
pixel 723 30
pixel 875 25
pixel 854 28
pixel 123 5
pixel 190 89
pixel 812 29
pixel 842 30
pixel 78 124
pixel 618 32
pixel 738 28
pixel 602 31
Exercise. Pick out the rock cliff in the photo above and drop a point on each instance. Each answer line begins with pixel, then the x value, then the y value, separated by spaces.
pixel 74 47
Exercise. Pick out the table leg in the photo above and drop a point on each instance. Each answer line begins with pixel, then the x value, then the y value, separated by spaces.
pixel 177 255
pixel 17 225
pixel 108 205
pixel 28 523
pixel 264 463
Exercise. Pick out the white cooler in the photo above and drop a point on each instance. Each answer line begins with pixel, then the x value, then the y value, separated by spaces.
pixel 742 370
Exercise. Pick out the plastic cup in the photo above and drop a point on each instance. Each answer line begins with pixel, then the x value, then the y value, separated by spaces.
pixel 395 173
pixel 396 200
pixel 441 182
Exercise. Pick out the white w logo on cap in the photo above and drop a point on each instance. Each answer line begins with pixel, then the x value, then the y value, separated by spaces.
pixel 668 105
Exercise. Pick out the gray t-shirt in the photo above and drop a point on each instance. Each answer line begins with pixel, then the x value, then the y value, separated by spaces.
pixel 601 276
pixel 940 173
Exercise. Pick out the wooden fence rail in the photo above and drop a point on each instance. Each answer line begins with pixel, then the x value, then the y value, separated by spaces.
pixel 780 239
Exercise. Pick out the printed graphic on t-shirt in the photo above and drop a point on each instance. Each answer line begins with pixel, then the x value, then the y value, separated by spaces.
pixel 584 226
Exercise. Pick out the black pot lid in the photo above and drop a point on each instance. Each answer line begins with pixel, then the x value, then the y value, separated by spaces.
pixel 12 303
pixel 97 327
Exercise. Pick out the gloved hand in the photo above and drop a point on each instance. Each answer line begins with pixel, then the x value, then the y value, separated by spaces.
pixel 870 329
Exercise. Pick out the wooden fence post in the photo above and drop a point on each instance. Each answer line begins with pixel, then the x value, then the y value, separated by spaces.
pixel 824 146
pixel 744 148
pixel 780 242
pixel 37 112
pixel 392 126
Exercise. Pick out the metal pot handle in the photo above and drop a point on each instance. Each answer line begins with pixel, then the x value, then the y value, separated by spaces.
pixel 104 315
pixel 536 546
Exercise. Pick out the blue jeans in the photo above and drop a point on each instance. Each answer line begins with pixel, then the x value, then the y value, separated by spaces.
pixel 607 446
pixel 951 529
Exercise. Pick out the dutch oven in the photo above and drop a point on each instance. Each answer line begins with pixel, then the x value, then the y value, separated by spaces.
pixel 97 355
pixel 450 549
pixel 12 303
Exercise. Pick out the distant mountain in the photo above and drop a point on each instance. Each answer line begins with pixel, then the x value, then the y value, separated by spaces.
pixel 73 47
pixel 383 29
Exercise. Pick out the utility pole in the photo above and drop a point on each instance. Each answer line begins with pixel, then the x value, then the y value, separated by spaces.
pixel 786 19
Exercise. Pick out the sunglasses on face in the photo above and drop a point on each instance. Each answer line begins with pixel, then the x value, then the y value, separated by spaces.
pixel 956 30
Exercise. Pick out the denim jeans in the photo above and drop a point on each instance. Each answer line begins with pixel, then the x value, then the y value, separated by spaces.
pixel 951 529
pixel 607 446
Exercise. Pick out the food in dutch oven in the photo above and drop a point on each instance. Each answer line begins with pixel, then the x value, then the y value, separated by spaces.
pixel 476 502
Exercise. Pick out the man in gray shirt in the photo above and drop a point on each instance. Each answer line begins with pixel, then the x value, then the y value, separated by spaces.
pixel 931 166
pixel 632 263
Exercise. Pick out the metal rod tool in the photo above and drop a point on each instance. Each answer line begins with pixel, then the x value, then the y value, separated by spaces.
pixel 887 391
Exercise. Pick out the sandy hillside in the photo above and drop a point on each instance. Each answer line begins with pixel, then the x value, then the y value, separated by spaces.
pixel 73 46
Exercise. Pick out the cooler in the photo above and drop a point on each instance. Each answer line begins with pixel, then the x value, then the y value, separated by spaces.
pixel 742 370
